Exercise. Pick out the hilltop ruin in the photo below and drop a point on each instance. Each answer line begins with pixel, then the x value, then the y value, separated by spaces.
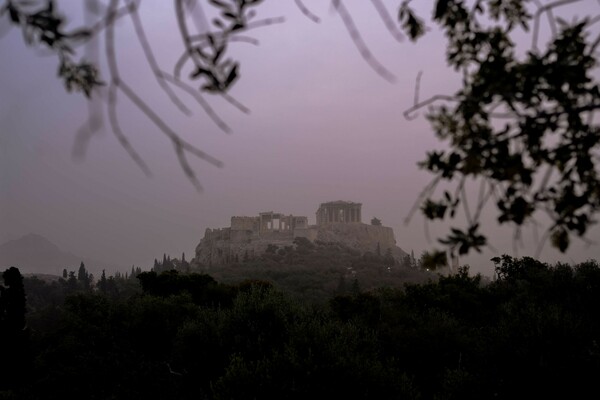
pixel 336 221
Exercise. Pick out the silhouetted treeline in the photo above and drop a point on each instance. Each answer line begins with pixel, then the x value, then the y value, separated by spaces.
pixel 532 332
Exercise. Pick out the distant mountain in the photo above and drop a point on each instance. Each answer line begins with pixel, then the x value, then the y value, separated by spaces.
pixel 34 253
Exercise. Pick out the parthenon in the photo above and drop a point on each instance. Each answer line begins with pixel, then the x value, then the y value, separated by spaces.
pixel 338 211
pixel 337 222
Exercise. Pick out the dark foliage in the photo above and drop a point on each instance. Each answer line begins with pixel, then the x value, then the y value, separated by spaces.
pixel 532 332
pixel 314 272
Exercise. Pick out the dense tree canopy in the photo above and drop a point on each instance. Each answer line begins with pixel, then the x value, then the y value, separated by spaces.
pixel 532 332
pixel 522 125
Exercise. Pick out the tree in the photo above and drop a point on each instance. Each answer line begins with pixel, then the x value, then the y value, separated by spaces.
pixel 12 301
pixel 433 260
pixel 13 332
pixel 355 290
pixel 522 125
pixel 102 283
pixel 83 276
pixel 389 257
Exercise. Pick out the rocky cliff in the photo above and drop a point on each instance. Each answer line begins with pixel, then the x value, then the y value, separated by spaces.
pixel 223 246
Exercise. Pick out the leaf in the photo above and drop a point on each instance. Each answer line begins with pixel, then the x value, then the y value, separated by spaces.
pixel 14 14
pixel 219 4
pixel 199 71
pixel 233 74
pixel 560 239
pixel 440 9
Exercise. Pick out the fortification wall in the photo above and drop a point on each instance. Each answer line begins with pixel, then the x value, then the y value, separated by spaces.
pixel 310 232
pixel 216 234
pixel 223 246
pixel 359 236
pixel 223 252
pixel 244 223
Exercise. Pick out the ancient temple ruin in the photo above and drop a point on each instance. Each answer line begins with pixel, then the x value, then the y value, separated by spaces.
pixel 338 211
pixel 337 221
pixel 269 222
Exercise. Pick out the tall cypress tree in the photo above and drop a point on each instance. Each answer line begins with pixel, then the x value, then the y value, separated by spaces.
pixel 82 276
pixel 13 335
pixel 102 284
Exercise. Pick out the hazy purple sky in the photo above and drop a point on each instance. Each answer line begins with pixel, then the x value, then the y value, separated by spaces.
pixel 323 127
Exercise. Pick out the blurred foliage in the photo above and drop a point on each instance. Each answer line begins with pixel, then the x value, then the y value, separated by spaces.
pixel 45 28
pixel 522 122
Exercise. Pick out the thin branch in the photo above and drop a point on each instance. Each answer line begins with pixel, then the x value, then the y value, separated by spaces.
pixel 148 53
pixel 483 198
pixel 546 178
pixel 201 101
pixel 180 145
pixel 227 35
pixel 91 126
pixel 264 22
pixel 165 128
pixel 387 20
pixel 112 90
pixel 587 242
pixel 492 248
pixel 541 244
pixel 307 13
pixel 433 99
pixel 199 17
pixel 179 150
pixel 595 44
pixel 203 38
pixel 360 44
pixel 516 239
pixel 116 128
pixel 180 64
pixel 536 18
pixel 103 23
pixel 231 100
pixel 593 20
pixel 417 93
pixel 425 193
pixel 94 121
pixel 185 35
pixel 244 39
pixel 465 203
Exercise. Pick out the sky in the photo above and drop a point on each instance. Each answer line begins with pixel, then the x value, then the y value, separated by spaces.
pixel 323 126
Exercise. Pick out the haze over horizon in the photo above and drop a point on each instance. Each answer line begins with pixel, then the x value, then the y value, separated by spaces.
pixel 323 126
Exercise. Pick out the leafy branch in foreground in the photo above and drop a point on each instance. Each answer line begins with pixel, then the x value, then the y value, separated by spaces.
pixel 523 125
pixel 43 26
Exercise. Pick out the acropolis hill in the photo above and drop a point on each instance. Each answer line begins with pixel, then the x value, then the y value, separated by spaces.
pixel 337 222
